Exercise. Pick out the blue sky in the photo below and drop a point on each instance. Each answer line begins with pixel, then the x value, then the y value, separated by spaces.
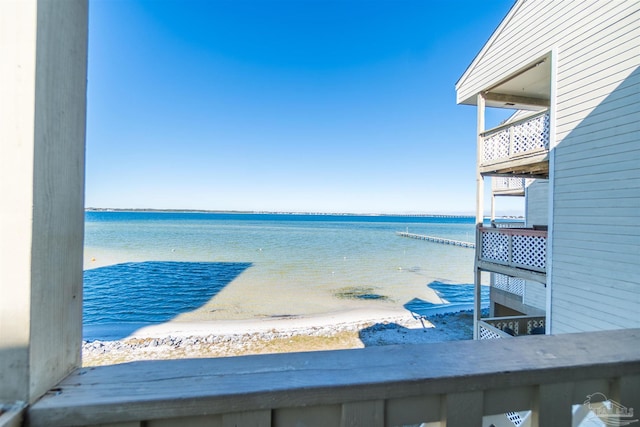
pixel 308 105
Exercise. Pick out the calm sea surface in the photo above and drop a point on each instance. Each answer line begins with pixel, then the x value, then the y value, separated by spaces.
pixel 150 267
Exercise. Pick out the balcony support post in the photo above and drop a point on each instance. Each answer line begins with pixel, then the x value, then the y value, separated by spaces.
pixel 479 212
pixel 43 85
pixel 479 177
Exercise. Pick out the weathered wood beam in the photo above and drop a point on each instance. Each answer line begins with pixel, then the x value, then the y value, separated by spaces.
pixel 515 99
pixel 512 271
pixel 317 385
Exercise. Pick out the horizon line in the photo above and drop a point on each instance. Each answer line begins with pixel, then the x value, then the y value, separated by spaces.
pixel 232 211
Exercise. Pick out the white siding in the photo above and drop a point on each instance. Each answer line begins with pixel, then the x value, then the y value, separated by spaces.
pixel 595 276
pixel 595 272
pixel 570 25
pixel 537 203
pixel 535 295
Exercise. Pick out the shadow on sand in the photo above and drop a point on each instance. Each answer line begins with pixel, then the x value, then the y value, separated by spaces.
pixel 454 310
pixel 119 299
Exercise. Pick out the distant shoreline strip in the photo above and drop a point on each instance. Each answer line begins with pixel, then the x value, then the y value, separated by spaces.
pixel 436 239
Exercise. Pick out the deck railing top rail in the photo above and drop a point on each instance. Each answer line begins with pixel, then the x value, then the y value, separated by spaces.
pixel 507 125
pixel 377 386
pixel 514 231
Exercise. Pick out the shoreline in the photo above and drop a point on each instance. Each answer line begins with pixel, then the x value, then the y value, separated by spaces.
pixel 333 331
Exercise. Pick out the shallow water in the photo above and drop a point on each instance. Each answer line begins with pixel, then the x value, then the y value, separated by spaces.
pixel 153 267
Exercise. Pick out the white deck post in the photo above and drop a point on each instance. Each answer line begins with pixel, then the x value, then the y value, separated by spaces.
pixel 479 215
pixel 43 74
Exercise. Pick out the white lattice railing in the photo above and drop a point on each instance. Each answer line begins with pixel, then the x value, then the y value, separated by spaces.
pixel 508 326
pixel 506 283
pixel 489 332
pixel 501 184
pixel 519 138
pixel 514 247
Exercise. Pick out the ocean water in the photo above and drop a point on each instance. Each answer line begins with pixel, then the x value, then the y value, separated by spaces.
pixel 151 267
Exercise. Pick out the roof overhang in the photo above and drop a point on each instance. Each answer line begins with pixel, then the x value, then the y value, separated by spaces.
pixel 527 89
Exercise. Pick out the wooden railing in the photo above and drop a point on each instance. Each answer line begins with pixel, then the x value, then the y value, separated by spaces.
pixel 514 285
pixel 516 139
pixel 448 384
pixel 507 224
pixel 522 248
pixel 511 326
pixel 507 185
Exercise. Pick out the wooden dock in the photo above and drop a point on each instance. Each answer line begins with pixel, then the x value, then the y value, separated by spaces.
pixel 436 239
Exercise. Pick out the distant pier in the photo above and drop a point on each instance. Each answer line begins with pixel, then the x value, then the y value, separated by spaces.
pixel 436 239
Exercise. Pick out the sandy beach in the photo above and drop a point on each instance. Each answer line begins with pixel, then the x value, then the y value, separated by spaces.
pixel 332 331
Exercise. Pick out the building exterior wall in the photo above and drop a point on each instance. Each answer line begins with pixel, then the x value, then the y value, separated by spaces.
pixel 42 134
pixel 534 27
pixel 537 203
pixel 535 295
pixel 595 177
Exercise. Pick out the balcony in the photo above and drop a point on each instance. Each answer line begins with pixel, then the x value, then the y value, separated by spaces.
pixel 447 384
pixel 517 252
pixel 519 148
pixel 505 186
pixel 513 285
pixel 510 326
